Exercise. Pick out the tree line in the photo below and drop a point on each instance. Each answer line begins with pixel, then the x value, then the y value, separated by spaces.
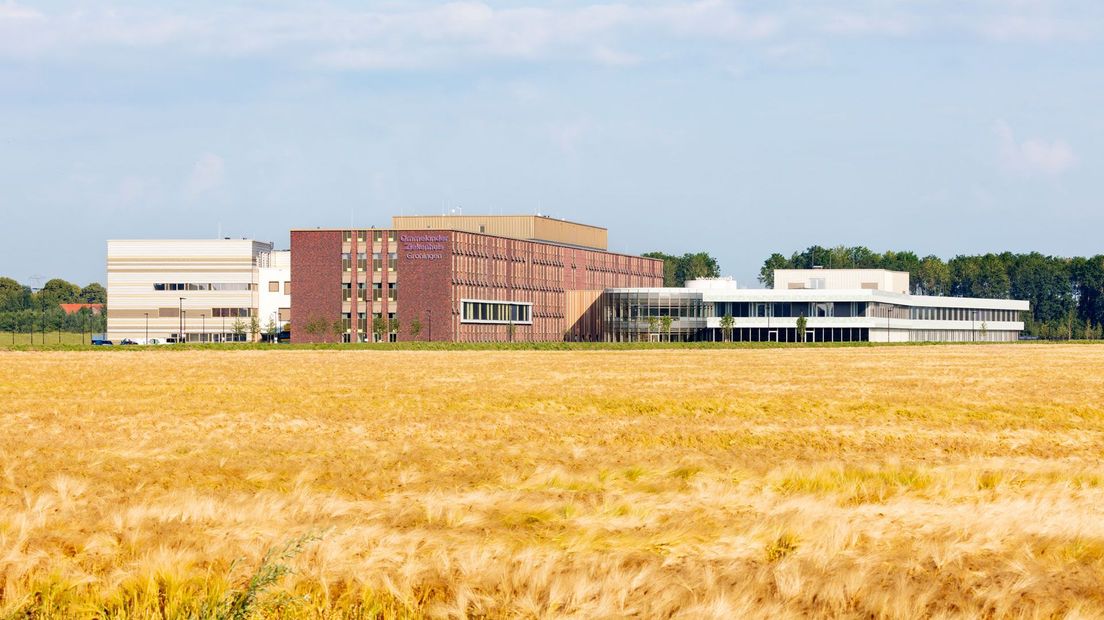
pixel 23 309
pixel 678 269
pixel 1066 294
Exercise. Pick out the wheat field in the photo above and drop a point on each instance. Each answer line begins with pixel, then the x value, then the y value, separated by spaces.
pixel 896 482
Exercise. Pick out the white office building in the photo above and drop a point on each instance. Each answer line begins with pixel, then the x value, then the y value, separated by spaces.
pixel 839 305
pixel 274 284
pixel 198 290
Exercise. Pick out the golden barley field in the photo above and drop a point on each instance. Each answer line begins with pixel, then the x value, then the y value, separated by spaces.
pixel 896 482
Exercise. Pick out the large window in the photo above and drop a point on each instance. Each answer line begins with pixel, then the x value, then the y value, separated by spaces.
pixel 479 311
pixel 202 286
pixel 392 260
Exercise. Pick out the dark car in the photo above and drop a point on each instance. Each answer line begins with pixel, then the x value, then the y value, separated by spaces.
pixel 128 341
pixel 102 342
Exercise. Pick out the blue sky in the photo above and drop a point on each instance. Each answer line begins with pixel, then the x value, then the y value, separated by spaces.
pixel 739 128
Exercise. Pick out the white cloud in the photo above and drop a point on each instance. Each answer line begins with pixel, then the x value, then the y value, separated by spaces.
pixel 419 35
pixel 207 174
pixel 1035 156
pixel 614 58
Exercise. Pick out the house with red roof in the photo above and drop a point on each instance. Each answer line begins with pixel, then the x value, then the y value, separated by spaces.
pixel 75 308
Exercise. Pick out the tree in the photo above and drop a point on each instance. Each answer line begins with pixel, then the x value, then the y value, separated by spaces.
pixel 802 323
pixel 670 266
pixel 653 325
pixel 254 328
pixel 12 294
pixel 678 269
pixel 337 328
pixel 695 266
pixel 379 327
pixel 94 293
pixel 271 329
pixel 726 327
pixel 393 326
pixel 415 328
pixel 933 277
pixel 238 328
pixel 57 291
pixel 665 322
pixel 776 261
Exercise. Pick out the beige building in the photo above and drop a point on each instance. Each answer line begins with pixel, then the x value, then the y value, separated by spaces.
pixel 158 289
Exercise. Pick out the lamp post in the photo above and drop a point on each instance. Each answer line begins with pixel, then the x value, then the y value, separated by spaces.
pixel 147 328
pixel 203 327
pixel 180 313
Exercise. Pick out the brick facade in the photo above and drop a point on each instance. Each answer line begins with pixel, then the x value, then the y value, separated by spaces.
pixel 436 269
pixel 316 272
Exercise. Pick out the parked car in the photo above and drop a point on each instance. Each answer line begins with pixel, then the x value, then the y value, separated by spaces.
pixel 128 341
pixel 101 342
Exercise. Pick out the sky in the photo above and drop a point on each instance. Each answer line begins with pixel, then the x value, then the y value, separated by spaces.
pixel 738 128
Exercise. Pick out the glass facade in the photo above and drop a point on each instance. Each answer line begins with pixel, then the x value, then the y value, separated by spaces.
pixel 653 314
pixel 681 314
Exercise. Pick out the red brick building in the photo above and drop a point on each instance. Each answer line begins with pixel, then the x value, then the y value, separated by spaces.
pixel 456 279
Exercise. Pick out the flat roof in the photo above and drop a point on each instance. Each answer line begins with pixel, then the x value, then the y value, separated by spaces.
pixel 484 234
pixel 515 215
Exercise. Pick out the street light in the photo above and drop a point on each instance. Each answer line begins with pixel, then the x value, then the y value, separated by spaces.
pixel 180 313
pixel 147 328
pixel 203 327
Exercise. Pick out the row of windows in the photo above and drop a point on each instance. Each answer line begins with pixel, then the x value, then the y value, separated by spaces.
pixel 362 261
pixel 377 291
pixel 362 236
pixel 962 314
pixel 496 312
pixel 203 286
pixel 231 312
pixel 274 287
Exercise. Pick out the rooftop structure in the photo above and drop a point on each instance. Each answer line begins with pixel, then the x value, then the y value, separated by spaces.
pixel 527 227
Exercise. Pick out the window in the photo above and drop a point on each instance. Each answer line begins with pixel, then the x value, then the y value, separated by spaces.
pixel 362 261
pixel 231 312
pixel 287 287
pixel 362 291
pixel 392 260
pixel 377 262
pixel 377 236
pixel 361 236
pixel 273 287
pixel 377 291
pixel 477 311
pixel 346 291
pixel 391 236
pixel 285 315
pixel 392 291
pixel 346 262
pixel 347 236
